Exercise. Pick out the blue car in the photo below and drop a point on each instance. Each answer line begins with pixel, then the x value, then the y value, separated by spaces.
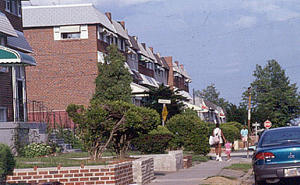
pixel 277 156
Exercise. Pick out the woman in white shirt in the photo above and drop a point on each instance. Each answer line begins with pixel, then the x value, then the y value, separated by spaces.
pixel 220 139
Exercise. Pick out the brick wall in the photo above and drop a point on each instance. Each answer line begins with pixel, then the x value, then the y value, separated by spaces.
pixel 65 71
pixel 143 170
pixel 116 174
pixel 187 161
pixel 6 94
pixel 169 61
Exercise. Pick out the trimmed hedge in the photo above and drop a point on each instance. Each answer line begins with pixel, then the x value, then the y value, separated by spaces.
pixel 7 162
pixel 37 150
pixel 156 142
pixel 230 132
pixel 190 133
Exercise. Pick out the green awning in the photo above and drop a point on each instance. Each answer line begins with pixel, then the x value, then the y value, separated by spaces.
pixel 12 57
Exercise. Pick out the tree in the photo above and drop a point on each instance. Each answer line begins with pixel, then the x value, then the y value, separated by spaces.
pixel 164 92
pixel 211 94
pixel 189 133
pixel 115 122
pixel 273 96
pixel 236 113
pixel 113 80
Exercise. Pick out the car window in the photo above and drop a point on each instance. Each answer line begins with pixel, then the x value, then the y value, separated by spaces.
pixel 279 137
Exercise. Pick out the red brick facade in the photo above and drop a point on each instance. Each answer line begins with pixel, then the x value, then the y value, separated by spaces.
pixel 117 174
pixel 66 69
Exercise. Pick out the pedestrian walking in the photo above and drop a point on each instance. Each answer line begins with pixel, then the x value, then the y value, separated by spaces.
pixel 228 147
pixel 244 137
pixel 219 139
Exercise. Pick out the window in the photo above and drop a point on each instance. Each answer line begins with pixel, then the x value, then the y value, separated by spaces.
pixel 14 7
pixel 101 36
pixel 100 57
pixel 2 40
pixel 70 32
pixel 70 35
pixel 3 114
pixel 122 45
pixel 3 69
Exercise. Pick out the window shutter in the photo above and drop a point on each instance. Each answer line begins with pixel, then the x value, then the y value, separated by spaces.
pixel 84 32
pixel 56 33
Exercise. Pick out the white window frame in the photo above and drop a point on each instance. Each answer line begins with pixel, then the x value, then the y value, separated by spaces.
pixel 101 57
pixel 3 111
pixel 19 8
pixel 7 5
pixel 82 30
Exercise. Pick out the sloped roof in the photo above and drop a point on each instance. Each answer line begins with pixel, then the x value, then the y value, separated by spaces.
pixel 142 50
pixel 56 15
pixel 133 42
pixel 165 64
pixel 158 59
pixel 19 42
pixel 120 30
pixel 6 27
pixel 150 54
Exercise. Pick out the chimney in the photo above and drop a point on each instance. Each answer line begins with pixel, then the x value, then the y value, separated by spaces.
pixel 177 63
pixel 151 48
pixel 123 24
pixel 181 66
pixel 144 45
pixel 108 15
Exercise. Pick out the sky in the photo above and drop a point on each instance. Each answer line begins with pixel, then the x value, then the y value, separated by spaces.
pixel 217 41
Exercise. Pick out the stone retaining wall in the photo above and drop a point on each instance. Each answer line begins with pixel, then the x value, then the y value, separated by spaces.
pixel 143 170
pixel 115 174
pixel 170 162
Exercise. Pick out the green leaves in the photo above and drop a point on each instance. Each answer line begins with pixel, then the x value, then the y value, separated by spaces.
pixel 273 96
pixel 7 162
pixel 113 80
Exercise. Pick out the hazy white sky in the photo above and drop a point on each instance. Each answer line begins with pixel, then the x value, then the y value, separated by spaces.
pixel 218 41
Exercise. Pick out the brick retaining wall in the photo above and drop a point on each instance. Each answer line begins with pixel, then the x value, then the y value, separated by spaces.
pixel 187 161
pixel 115 174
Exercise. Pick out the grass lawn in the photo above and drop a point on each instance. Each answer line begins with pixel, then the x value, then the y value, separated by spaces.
pixel 65 160
pixel 196 158
pixel 240 166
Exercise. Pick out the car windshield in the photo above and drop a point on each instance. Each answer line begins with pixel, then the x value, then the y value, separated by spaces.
pixel 281 137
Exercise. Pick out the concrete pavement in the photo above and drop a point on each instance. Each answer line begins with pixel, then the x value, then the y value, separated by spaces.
pixel 195 174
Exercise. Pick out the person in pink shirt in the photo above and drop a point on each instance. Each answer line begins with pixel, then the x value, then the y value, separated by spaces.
pixel 228 147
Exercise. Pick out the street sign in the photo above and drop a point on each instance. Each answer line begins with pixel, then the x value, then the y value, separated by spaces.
pixel 255 124
pixel 164 113
pixel 268 124
pixel 164 101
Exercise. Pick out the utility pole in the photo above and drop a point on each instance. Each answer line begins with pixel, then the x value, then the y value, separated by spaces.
pixel 249 120
pixel 249 110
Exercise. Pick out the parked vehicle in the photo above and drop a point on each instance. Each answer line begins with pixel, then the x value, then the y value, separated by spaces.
pixel 277 155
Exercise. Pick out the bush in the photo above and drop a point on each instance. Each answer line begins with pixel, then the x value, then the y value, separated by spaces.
pixel 236 124
pixel 37 150
pixel 189 132
pixel 7 161
pixel 230 132
pixel 156 142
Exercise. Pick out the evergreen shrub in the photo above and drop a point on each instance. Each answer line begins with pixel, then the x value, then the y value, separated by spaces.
pixel 156 142
pixel 7 162
pixel 37 150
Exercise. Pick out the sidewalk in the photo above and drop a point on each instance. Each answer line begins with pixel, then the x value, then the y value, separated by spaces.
pixel 195 174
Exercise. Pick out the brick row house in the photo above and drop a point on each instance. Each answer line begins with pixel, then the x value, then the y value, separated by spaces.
pixel 14 59
pixel 68 41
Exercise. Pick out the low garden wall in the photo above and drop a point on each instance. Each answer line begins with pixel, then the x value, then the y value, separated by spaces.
pixel 143 170
pixel 170 162
pixel 187 161
pixel 115 174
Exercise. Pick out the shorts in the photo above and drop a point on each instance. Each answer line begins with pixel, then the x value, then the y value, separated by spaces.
pixel 245 139
pixel 227 152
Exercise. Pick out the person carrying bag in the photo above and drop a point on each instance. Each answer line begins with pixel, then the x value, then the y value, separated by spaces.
pixel 217 139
